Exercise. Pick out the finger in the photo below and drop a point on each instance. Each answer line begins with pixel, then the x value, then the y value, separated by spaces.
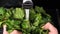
pixel 4 29
pixel 46 26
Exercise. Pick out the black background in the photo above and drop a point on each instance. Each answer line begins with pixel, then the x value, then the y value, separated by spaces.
pixel 49 5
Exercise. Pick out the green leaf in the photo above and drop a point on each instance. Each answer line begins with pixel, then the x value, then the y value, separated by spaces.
pixel 1 24
pixel 25 24
pixel 2 12
pixel 39 9
pixel 19 13
pixel 37 19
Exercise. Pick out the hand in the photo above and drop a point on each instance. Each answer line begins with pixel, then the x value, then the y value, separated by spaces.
pixel 14 32
pixel 51 28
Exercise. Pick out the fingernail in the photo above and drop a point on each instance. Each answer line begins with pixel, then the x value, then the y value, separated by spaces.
pixel 42 27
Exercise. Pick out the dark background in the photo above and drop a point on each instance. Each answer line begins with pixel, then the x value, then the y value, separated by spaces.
pixel 51 7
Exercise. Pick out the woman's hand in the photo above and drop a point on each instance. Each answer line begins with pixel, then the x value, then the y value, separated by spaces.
pixel 14 32
pixel 51 28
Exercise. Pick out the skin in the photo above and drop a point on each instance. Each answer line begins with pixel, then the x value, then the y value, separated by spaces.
pixel 48 26
pixel 14 32
pixel 51 28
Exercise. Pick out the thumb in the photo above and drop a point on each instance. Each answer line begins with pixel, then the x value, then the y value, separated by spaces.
pixel 46 26
pixel 4 29
pixel 51 28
